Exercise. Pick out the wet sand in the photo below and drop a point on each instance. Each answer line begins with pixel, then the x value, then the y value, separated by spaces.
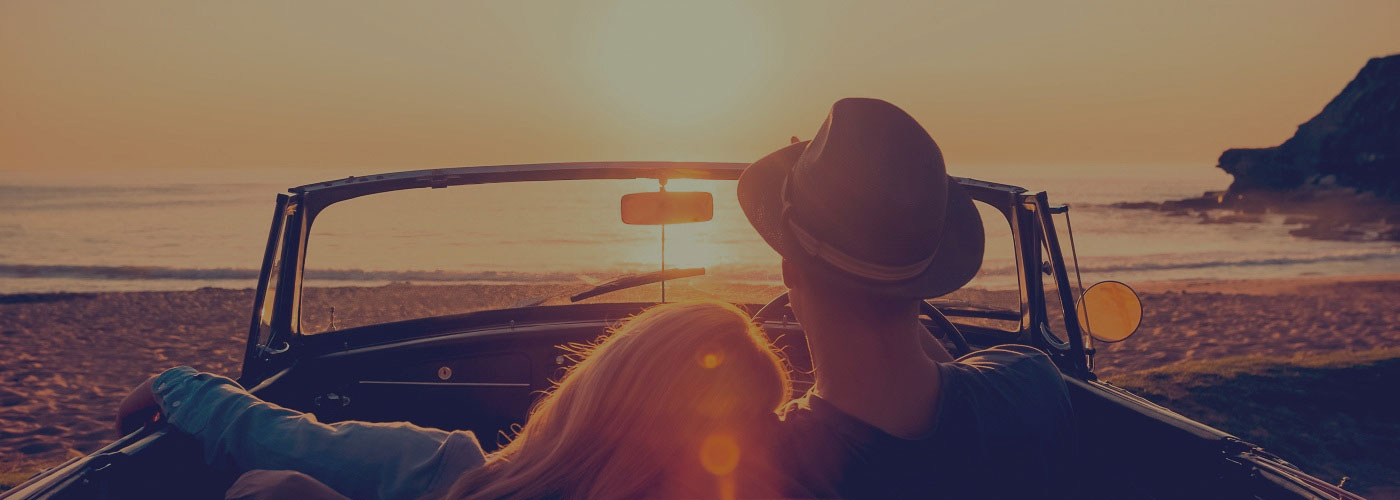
pixel 1195 320
pixel 66 360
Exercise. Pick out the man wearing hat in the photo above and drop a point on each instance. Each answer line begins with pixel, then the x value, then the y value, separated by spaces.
pixel 869 224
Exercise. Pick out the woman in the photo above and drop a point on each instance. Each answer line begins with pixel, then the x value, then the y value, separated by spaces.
pixel 670 403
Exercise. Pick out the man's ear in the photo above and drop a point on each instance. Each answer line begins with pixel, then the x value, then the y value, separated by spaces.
pixel 792 278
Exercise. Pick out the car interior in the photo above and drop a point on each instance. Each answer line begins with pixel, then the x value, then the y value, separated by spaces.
pixel 481 372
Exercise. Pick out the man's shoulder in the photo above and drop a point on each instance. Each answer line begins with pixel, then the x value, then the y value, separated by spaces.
pixel 1000 402
pixel 810 413
pixel 1007 364
pixel 1011 385
pixel 1010 370
pixel 1006 354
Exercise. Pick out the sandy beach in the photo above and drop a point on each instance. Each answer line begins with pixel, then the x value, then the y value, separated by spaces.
pixel 66 360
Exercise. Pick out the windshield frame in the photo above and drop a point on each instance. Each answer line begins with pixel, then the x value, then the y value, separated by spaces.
pixel 1026 214
pixel 314 198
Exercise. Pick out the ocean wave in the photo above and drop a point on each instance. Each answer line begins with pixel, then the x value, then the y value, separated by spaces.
pixel 124 204
pixel 1181 262
pixel 1248 262
pixel 100 197
pixel 219 274
pixel 69 190
pixel 726 271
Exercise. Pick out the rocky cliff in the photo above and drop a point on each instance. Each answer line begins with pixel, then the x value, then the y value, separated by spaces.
pixel 1353 143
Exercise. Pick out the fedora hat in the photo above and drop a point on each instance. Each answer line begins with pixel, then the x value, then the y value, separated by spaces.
pixel 867 203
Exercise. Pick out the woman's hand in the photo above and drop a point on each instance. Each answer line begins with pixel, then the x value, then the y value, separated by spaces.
pixel 138 409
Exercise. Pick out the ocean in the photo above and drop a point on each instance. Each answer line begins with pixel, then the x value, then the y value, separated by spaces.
pixel 181 230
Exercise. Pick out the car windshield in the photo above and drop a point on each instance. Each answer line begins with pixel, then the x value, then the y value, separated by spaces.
pixel 430 252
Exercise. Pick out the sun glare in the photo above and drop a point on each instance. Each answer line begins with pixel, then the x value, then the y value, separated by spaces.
pixel 673 62
pixel 699 244
pixel 719 454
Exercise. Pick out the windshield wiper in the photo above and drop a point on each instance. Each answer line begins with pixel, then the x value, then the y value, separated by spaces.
pixel 636 280
pixel 619 283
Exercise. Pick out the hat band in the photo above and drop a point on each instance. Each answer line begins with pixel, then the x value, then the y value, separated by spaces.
pixel 853 265
pixel 841 260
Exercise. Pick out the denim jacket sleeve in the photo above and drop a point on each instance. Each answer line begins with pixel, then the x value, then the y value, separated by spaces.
pixel 357 459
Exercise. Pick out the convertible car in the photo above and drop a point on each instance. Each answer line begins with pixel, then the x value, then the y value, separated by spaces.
pixel 471 343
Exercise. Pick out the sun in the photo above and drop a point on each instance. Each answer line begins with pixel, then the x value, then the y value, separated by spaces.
pixel 699 244
pixel 677 62
pixel 687 245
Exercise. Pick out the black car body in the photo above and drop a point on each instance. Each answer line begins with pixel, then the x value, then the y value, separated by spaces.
pixel 500 359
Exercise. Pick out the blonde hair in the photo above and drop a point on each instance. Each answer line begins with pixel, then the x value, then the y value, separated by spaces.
pixel 663 405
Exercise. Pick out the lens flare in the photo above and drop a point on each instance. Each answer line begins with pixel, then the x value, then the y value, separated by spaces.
pixel 719 454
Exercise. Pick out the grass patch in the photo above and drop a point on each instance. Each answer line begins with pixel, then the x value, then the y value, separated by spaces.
pixel 1333 415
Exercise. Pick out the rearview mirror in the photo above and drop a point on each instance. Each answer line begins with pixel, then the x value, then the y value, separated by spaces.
pixel 1110 311
pixel 667 207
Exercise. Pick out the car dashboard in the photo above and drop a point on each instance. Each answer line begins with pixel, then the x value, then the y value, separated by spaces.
pixel 478 371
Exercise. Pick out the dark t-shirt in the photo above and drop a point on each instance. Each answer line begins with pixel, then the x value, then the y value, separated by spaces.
pixel 1003 430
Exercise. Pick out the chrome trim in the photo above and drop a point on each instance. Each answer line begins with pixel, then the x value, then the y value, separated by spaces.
pixel 539 171
pixel 511 328
pixel 1050 339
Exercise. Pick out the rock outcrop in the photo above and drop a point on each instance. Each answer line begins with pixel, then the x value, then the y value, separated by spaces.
pixel 1354 144
pixel 1338 178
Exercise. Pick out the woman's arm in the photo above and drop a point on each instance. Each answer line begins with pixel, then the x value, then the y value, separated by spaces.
pixel 358 459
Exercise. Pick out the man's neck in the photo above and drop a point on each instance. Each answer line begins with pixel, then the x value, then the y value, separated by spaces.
pixel 875 369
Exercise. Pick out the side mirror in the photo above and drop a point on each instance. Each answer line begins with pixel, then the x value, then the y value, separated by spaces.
pixel 667 207
pixel 1110 311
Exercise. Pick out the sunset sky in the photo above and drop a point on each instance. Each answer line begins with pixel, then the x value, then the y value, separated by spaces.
pixel 365 87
